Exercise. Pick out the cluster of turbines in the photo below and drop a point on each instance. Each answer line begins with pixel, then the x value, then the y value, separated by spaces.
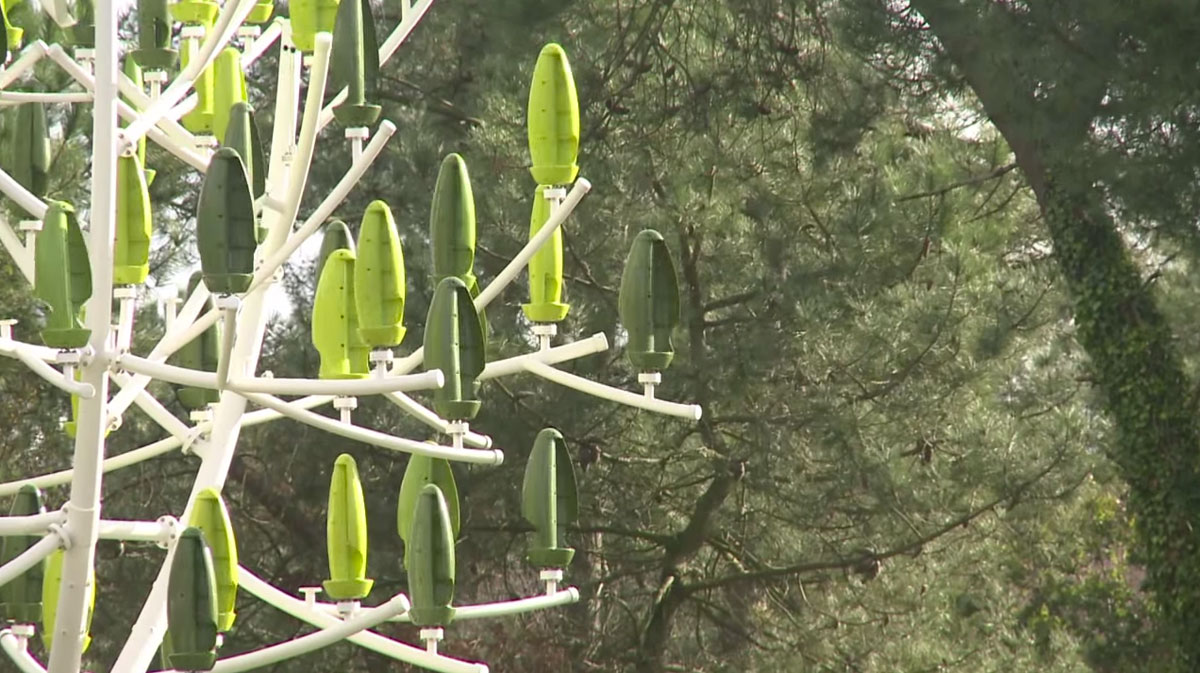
pixel 245 230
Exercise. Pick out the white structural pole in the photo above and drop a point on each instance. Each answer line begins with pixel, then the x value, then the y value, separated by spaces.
pixel 147 631
pixel 83 508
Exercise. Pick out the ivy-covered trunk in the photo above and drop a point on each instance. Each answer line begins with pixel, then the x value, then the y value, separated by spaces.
pixel 1136 364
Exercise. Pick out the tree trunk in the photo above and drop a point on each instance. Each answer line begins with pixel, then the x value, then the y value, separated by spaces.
pixel 1127 338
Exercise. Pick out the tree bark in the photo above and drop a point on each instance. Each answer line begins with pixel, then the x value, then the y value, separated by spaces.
pixel 1119 324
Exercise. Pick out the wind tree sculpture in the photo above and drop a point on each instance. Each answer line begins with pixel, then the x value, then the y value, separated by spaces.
pixel 246 228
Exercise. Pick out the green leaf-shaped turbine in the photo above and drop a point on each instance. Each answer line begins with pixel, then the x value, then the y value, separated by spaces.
pixel 379 278
pixel 553 119
pixel 27 149
pixel 354 63
pixel 549 499
pixel 154 50
pixel 229 88
pixel 62 276
pixel 225 225
pixel 346 534
pixel 545 268
pixel 335 321
pixel 430 560
pixel 21 599
pixel 131 245
pixel 452 224
pixel 192 604
pixel 454 343
pixel 52 575
pixel 649 302
pixel 202 354
pixel 423 470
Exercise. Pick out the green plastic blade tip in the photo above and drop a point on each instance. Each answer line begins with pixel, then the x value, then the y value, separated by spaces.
pixel 553 119
pixel 649 302
pixel 346 534
pixel 262 11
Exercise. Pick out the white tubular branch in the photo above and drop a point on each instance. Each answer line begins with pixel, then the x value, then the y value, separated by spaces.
pixel 136 531
pixel 597 343
pixel 369 640
pixel 154 449
pixel 18 97
pixel 31 524
pixel 374 437
pixel 361 621
pixel 115 463
pixel 368 386
pixel 21 196
pixel 232 15
pixel 178 146
pixel 30 55
pixel 504 608
pixel 169 373
pixel 688 411
pixel 326 208
pixel 157 412
pixel 55 377
pixel 11 347
pixel 17 649
pixel 428 417
pixel 29 558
